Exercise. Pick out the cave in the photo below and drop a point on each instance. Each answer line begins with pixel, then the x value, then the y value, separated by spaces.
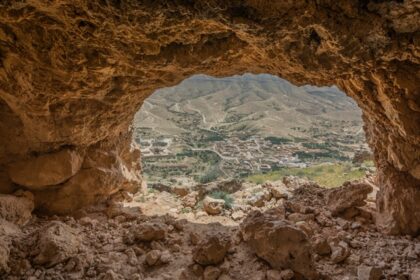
pixel 74 73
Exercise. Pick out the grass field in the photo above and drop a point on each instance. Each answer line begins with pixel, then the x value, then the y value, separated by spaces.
pixel 329 176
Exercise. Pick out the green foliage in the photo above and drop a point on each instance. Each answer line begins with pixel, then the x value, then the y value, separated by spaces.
pixel 212 174
pixel 326 175
pixel 223 195
pixel 277 140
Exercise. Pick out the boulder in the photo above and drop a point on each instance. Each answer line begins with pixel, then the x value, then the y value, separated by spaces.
pixel 339 252
pixel 369 273
pixel 278 242
pixel 150 231
pixel 211 273
pixel 190 200
pixel 349 195
pixel 278 189
pixel 56 243
pixel 227 186
pixel 17 208
pixel 181 190
pixel 212 249
pixel 213 206
pixel 46 170
pixel 153 257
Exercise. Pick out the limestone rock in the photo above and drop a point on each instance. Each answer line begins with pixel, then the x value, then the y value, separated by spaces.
pixel 57 242
pixel 369 273
pixel 68 81
pixel 278 242
pixel 321 246
pixel 213 206
pixel 181 190
pixel 278 189
pixel 46 170
pixel 153 257
pixel 211 273
pixel 350 195
pixel 212 249
pixel 340 252
pixel 150 231
pixel 17 208
pixel 190 200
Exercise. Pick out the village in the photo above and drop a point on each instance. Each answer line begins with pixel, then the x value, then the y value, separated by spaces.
pixel 237 156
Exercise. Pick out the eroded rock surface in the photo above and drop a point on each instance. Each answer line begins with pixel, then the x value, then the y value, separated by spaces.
pixel 17 208
pixel 73 74
pixel 279 242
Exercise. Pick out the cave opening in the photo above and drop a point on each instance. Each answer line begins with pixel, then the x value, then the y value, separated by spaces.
pixel 229 138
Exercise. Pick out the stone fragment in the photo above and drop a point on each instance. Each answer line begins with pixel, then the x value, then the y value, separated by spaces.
pixel 237 215
pixel 349 195
pixel 181 190
pixel 339 252
pixel 56 243
pixel 213 206
pixel 273 274
pixel 212 249
pixel 298 217
pixel 211 273
pixel 46 170
pixel 369 273
pixel 287 274
pixel 17 208
pixel 415 274
pixel 278 189
pixel 321 246
pixel 153 257
pixel 278 242
pixel 150 231
pixel 190 200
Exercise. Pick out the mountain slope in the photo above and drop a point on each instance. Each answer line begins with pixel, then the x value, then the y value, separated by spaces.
pixel 263 104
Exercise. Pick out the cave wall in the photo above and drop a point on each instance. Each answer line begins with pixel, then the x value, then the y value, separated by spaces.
pixel 73 74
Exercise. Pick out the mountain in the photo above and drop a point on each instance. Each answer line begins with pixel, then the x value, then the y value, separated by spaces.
pixel 262 104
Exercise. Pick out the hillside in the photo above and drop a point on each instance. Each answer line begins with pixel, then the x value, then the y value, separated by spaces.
pixel 261 104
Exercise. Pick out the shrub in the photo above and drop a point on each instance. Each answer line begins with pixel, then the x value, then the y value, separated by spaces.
pixel 223 195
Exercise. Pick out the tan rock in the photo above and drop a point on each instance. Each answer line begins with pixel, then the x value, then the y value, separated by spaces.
pixel 213 206
pixel 350 195
pixel 273 274
pixel 150 231
pixel 369 273
pixel 278 242
pixel 56 243
pixel 321 246
pixel 17 208
pixel 153 257
pixel 47 170
pixel 212 249
pixel 211 273
pixel 4 255
pixel 340 252
pixel 190 200
pixel 181 190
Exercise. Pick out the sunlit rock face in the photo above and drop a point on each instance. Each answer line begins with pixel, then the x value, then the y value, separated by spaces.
pixel 73 74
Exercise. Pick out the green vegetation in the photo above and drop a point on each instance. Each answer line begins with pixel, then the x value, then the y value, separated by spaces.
pixel 326 175
pixel 277 140
pixel 223 195
pixel 212 174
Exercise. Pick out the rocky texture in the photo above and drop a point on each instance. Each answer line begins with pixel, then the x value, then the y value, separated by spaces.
pixel 213 206
pixel 212 249
pixel 57 242
pixel 46 170
pixel 17 208
pixel 278 242
pixel 73 74
pixel 107 249
pixel 149 231
pixel 349 196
